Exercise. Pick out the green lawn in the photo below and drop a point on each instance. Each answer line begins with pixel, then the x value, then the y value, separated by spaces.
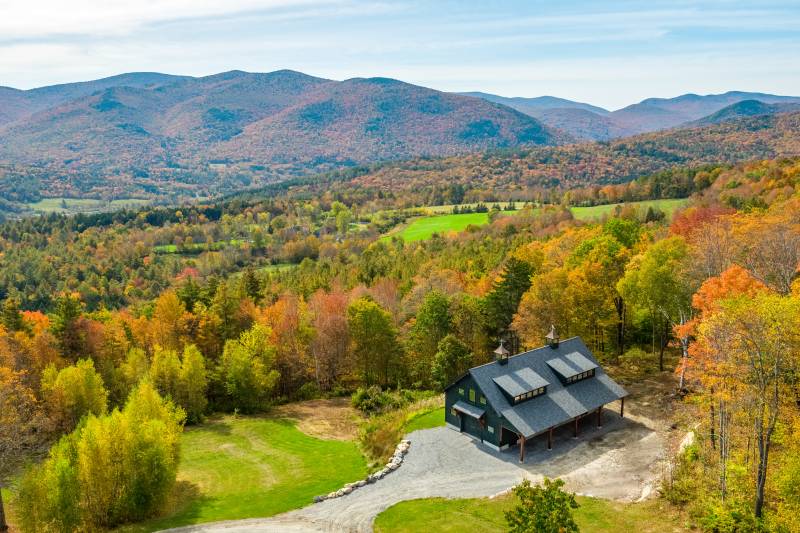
pixel 597 211
pixel 486 516
pixel 423 228
pixel 249 467
pixel 431 419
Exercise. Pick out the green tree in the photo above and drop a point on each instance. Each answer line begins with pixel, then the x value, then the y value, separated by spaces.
pixel 544 508
pixel 113 469
pixel 432 324
pixel 502 301
pixel 247 370
pixel 73 392
pixel 64 325
pixel 373 341
pixel 657 280
pixel 452 359
pixel 164 372
pixel 10 316
pixel 192 384
pixel 250 285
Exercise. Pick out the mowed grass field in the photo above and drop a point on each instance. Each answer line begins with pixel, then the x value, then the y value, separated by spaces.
pixel 246 467
pixel 482 515
pixel 423 228
pixel 83 205
pixel 598 211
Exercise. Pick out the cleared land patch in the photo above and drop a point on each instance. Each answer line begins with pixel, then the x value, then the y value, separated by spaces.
pixel 324 419
pixel 423 228
pixel 235 467
pixel 83 205
pixel 597 211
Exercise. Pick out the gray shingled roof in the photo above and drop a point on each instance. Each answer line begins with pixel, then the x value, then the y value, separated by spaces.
pixel 520 381
pixel 561 403
pixel 571 364
pixel 467 409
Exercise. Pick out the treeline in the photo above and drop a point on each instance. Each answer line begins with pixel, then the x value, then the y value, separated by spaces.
pixel 360 312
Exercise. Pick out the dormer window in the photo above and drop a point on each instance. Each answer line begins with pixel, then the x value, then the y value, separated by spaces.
pixel 572 367
pixel 530 394
pixel 521 385
pixel 582 375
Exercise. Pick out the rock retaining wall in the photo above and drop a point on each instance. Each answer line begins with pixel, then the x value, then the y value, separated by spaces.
pixel 394 463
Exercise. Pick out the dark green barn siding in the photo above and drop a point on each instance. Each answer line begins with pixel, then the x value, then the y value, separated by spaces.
pixel 460 391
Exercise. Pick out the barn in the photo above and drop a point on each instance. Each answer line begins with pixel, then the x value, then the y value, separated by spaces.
pixel 516 398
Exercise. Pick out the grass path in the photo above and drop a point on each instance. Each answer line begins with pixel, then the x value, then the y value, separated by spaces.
pixel 483 515
pixel 235 468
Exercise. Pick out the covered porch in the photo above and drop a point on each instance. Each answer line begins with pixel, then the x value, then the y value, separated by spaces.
pixel 572 428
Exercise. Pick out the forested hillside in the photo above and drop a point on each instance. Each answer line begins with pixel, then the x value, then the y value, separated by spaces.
pixel 100 312
pixel 155 136
pixel 546 173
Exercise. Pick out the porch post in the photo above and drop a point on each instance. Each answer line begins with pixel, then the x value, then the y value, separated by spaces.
pixel 600 416
pixel 576 427
pixel 622 407
pixel 521 441
pixel 550 439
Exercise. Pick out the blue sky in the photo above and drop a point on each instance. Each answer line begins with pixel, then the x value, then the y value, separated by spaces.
pixel 605 53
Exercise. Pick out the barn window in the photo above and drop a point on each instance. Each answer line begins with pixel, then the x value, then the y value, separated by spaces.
pixel 453 411
pixel 491 429
pixel 472 395
pixel 483 399
pixel 461 392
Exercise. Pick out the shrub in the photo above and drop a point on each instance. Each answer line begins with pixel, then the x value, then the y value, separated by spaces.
pixel 307 391
pixel 544 508
pixel 111 470
pixel 73 392
pixel 380 434
pixel 372 399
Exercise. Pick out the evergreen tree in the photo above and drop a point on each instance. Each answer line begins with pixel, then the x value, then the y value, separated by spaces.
pixel 64 325
pixel 502 302
pixel 10 316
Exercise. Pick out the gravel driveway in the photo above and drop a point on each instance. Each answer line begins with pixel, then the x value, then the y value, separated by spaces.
pixel 620 461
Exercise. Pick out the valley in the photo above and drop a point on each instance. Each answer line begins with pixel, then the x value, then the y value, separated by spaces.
pixel 383 267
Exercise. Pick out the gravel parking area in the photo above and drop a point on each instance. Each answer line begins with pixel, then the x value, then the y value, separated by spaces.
pixel 620 461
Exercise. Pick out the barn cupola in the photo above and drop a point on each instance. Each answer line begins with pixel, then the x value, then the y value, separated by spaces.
pixel 501 354
pixel 551 339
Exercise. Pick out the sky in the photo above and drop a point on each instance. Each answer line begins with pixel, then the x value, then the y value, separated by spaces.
pixel 606 53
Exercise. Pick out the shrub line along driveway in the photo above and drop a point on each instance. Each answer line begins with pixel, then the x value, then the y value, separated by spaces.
pixel 621 461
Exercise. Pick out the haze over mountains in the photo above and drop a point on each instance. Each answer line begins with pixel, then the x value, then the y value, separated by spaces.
pixel 587 122
pixel 151 135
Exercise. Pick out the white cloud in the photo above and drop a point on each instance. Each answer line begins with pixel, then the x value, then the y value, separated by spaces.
pixel 40 18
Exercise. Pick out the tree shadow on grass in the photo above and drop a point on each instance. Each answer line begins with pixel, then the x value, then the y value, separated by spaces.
pixel 182 508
